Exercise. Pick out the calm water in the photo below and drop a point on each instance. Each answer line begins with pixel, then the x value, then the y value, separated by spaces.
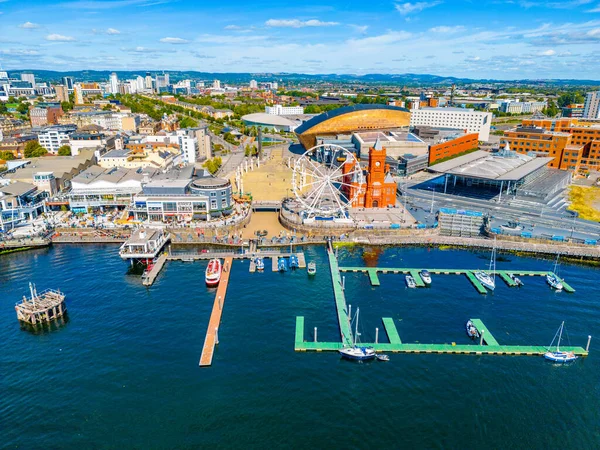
pixel 123 372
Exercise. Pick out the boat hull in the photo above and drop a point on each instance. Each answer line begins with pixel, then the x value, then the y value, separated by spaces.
pixel 357 354
pixel 212 276
pixel 485 280
pixel 560 357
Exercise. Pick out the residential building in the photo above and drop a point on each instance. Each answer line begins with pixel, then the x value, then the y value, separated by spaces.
pixel 114 83
pixel 40 116
pixel 457 118
pixel 216 84
pixel 591 109
pixel 62 93
pixel 54 137
pixel 517 107
pixel 574 110
pixel 253 84
pixel 194 144
pixel 279 110
pixel 68 82
pixel 153 156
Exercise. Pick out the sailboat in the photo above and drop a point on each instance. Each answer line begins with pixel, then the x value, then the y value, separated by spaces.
pixel 553 279
pixel 557 355
pixel 488 279
pixel 355 352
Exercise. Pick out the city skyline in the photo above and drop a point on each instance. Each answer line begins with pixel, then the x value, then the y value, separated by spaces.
pixel 499 39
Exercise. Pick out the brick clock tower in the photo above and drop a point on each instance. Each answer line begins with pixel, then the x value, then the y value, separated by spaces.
pixel 381 187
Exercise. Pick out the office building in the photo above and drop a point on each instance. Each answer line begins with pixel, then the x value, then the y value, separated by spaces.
pixel 148 81
pixel 278 110
pixel 253 84
pixel 591 109
pixel 456 118
pixel 29 77
pixel 216 84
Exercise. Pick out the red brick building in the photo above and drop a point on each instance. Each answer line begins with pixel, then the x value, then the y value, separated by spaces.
pixel 380 189
pixel 454 147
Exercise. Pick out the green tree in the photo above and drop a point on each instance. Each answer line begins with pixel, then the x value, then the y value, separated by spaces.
pixel 213 165
pixel 107 107
pixel 569 98
pixel 66 106
pixel 64 150
pixel 7 156
pixel 187 122
pixel 3 108
pixel 23 108
pixel 33 149
pixel 551 110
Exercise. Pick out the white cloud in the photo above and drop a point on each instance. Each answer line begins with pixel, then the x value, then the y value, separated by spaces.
pixel 60 38
pixel 112 31
pixel 409 8
pixel 447 30
pixel 473 58
pixel 547 53
pixel 295 23
pixel 233 27
pixel 29 25
pixel 362 29
pixel 224 40
pixel 174 40
pixel 391 37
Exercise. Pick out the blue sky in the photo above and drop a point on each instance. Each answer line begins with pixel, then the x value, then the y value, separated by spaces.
pixel 502 39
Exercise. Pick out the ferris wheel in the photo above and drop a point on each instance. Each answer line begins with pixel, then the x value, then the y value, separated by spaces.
pixel 320 184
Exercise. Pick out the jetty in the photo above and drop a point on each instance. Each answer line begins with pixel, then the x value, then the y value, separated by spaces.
pixel 503 274
pixel 486 345
pixel 212 333
pixel 41 308
pixel 153 270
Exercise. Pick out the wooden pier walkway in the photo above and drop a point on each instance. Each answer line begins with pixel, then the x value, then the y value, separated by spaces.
pixel 149 276
pixel 215 317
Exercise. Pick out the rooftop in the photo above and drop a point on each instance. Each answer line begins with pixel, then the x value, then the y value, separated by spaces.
pixel 269 119
pixel 484 165
pixel 58 165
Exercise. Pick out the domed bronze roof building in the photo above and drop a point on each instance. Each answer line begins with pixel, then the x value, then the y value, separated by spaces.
pixel 351 119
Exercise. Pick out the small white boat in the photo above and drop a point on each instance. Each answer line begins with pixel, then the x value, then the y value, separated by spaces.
pixel 212 276
pixel 382 357
pixel 488 279
pixel 517 280
pixel 410 282
pixel 553 279
pixel 425 276
pixel 558 355
pixel 312 268
pixel 187 259
pixel 472 331
pixel 260 264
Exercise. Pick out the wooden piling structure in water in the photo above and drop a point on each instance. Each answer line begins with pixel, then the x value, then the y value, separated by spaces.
pixel 41 308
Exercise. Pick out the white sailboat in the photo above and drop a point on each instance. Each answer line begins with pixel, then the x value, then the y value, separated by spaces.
pixel 355 352
pixel 558 355
pixel 553 279
pixel 488 279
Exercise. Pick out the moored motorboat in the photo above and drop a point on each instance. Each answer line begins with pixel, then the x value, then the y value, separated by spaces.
pixel 557 355
pixel 294 264
pixel 212 276
pixel 260 264
pixel 312 268
pixel 472 331
pixel 425 276
pixel 382 357
pixel 410 282
pixel 282 265
pixel 516 280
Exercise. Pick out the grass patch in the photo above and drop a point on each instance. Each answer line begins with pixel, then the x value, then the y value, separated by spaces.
pixel 586 201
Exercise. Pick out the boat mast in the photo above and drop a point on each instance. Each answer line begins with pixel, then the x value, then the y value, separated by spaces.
pixel 492 268
pixel 560 336
pixel 356 327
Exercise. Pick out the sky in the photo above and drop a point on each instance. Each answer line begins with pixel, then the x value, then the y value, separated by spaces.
pixel 499 39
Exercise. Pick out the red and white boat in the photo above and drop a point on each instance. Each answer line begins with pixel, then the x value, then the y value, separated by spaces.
pixel 213 272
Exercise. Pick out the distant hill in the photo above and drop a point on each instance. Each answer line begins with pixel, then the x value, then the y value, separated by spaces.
pixel 406 79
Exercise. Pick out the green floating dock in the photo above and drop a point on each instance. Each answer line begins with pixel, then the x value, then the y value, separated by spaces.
pixel 340 300
pixel 373 278
pixel 488 339
pixel 391 330
pixel 475 282
pixel 372 272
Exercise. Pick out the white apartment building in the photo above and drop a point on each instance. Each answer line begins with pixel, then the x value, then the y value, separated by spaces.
pixel 194 144
pixel 253 84
pixel 458 118
pixel 29 77
pixel 516 107
pixel 114 83
pixel 591 109
pixel 278 110
pixel 52 138
pixel 216 84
